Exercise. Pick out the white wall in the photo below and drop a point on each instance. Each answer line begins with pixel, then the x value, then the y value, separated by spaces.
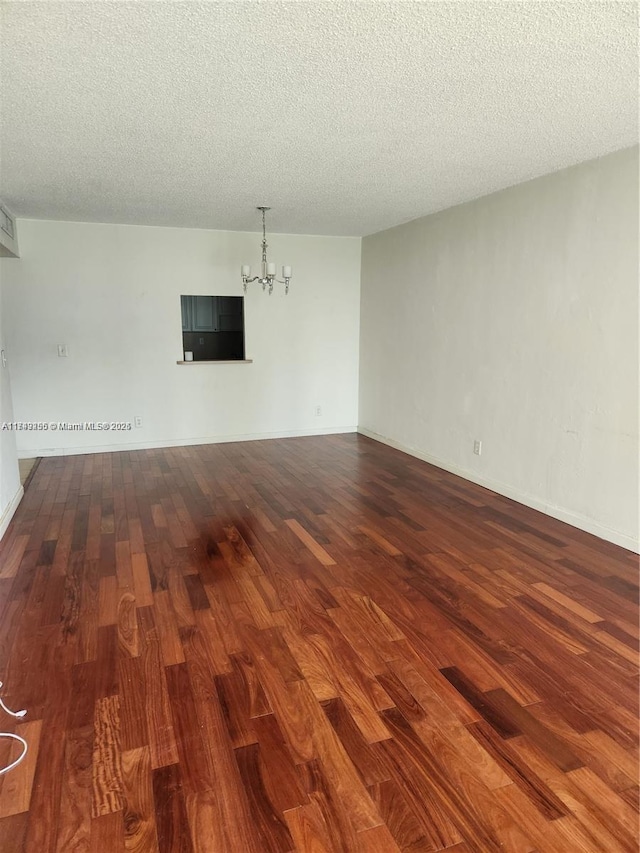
pixel 514 320
pixel 10 488
pixel 111 293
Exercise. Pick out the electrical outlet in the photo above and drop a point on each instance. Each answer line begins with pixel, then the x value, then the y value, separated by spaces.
pixel 318 411
pixel 63 352
pixel 477 447
pixel 137 421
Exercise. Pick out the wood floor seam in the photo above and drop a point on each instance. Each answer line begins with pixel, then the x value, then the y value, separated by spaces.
pixel 311 645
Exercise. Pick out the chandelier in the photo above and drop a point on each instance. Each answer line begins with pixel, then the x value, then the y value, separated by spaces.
pixel 268 276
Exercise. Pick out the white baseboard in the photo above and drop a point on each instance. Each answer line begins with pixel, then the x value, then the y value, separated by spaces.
pixel 7 515
pixel 579 521
pixel 179 442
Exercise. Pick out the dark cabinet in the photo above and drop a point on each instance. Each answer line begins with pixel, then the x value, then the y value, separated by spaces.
pixel 212 313
pixel 185 305
pixel 204 313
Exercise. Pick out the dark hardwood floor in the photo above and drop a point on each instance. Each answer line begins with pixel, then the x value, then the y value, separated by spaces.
pixel 314 644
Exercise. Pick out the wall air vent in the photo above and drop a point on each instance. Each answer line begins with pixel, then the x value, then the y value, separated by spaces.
pixel 8 234
pixel 6 223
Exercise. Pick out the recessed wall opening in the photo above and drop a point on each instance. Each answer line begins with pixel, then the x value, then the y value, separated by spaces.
pixel 212 328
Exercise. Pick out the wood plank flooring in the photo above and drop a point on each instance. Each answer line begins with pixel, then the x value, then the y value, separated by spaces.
pixel 314 644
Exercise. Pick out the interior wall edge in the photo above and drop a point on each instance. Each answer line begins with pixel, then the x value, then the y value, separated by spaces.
pixel 588 525
pixel 8 514
pixel 183 442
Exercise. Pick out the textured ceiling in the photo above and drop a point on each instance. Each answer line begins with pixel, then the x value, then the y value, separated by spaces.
pixel 345 117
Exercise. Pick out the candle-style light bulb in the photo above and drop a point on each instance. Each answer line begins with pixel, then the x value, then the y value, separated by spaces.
pixel 246 270
pixel 286 272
